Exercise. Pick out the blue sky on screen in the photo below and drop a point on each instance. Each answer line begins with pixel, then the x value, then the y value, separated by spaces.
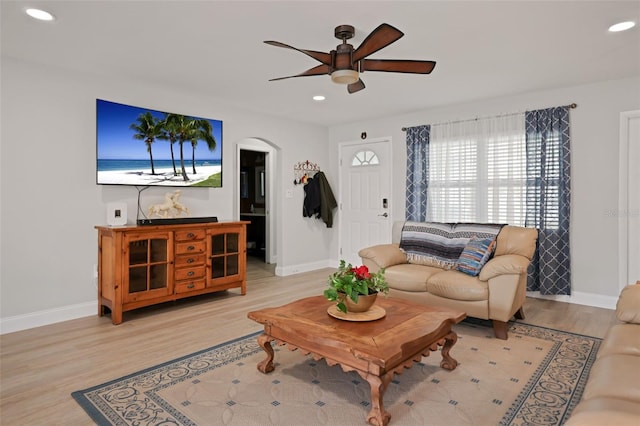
pixel 115 138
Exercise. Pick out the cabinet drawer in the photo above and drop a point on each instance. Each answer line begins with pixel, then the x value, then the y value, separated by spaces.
pixel 190 247
pixel 189 273
pixel 187 260
pixel 189 285
pixel 189 235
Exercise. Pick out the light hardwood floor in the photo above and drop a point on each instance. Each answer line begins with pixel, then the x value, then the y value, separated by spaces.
pixel 42 366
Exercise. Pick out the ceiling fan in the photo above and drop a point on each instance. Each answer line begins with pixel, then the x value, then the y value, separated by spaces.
pixel 344 64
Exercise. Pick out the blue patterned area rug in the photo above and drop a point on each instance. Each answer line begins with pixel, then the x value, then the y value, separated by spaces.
pixel 535 377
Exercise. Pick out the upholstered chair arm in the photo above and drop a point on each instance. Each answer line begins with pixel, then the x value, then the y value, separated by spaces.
pixel 628 306
pixel 507 293
pixel 382 256
pixel 507 264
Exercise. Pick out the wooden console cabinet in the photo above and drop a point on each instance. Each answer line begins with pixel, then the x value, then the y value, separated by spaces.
pixel 145 265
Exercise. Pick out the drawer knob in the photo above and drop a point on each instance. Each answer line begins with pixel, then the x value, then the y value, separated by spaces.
pixel 190 273
pixel 191 248
pixel 191 235
pixel 192 285
pixel 190 260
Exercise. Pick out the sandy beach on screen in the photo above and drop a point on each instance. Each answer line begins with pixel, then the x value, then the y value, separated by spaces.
pixel 163 176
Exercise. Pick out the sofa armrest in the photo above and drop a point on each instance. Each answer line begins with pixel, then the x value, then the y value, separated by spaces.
pixel 383 255
pixel 628 306
pixel 513 264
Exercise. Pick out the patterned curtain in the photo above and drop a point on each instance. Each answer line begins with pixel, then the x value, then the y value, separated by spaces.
pixel 548 198
pixel 417 172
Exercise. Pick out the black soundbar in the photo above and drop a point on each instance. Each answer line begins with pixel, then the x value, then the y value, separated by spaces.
pixel 177 221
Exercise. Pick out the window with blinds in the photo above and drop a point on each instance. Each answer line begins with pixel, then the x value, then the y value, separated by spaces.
pixel 477 171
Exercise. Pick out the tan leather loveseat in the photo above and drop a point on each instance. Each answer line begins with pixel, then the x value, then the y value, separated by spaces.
pixel 612 393
pixel 496 294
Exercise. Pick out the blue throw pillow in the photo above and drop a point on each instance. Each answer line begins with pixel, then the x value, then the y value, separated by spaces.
pixel 475 254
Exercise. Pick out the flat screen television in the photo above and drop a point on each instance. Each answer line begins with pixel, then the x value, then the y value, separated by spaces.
pixel 143 147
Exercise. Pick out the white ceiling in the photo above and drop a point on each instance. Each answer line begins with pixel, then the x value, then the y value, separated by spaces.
pixel 483 49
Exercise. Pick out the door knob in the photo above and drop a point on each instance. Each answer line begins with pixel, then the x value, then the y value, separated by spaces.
pixel 384 214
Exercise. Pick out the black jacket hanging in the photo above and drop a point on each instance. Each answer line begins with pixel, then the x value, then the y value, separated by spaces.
pixel 319 199
pixel 311 204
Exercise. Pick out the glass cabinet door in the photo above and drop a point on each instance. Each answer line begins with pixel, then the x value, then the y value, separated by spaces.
pixel 225 255
pixel 148 264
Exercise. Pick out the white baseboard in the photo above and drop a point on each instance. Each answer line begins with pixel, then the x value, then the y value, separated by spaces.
pixel 66 313
pixel 304 267
pixel 580 298
pixel 46 317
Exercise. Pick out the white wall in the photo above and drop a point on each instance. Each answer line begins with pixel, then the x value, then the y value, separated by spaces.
pixel 594 140
pixel 50 202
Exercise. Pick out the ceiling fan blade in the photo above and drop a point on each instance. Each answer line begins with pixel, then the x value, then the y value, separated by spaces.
pixel 397 65
pixel 319 70
pixel 379 38
pixel 325 58
pixel 355 87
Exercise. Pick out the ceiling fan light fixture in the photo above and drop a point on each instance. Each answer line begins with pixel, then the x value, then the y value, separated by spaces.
pixel 344 76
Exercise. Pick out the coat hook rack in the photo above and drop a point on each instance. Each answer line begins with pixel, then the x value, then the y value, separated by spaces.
pixel 303 171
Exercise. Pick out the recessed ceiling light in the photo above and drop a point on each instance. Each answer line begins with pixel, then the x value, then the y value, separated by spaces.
pixel 318 98
pixel 39 14
pixel 622 26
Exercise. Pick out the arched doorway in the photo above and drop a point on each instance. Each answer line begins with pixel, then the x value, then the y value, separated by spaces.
pixel 255 197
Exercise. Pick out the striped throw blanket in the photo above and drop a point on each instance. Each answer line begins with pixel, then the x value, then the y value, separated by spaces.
pixel 440 244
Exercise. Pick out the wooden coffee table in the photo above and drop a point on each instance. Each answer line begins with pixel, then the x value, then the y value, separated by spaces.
pixel 376 350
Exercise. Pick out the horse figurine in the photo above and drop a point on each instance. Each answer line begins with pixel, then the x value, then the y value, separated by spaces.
pixel 162 210
pixel 177 206
pixel 171 207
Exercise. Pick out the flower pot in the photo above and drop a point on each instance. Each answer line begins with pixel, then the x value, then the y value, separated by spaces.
pixel 362 305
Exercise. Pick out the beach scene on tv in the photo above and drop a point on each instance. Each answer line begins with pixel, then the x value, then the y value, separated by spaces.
pixel 143 147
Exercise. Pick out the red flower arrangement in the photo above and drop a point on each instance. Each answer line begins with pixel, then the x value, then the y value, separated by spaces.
pixel 352 282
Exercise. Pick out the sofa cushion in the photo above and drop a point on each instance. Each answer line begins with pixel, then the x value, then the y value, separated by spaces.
pixel 614 376
pixel 475 254
pixel 621 339
pixel 628 306
pixel 605 411
pixel 457 286
pixel 409 277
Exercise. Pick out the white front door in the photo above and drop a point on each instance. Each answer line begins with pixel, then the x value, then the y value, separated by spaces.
pixel 365 199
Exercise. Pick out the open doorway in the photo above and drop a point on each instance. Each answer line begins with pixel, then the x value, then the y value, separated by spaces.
pixel 253 205
pixel 256 161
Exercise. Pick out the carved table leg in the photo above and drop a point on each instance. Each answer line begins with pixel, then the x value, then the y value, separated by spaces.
pixel 378 416
pixel 448 363
pixel 266 366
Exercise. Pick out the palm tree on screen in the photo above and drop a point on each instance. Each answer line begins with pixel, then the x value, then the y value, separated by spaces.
pixel 170 133
pixel 180 124
pixel 179 128
pixel 202 130
pixel 147 129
